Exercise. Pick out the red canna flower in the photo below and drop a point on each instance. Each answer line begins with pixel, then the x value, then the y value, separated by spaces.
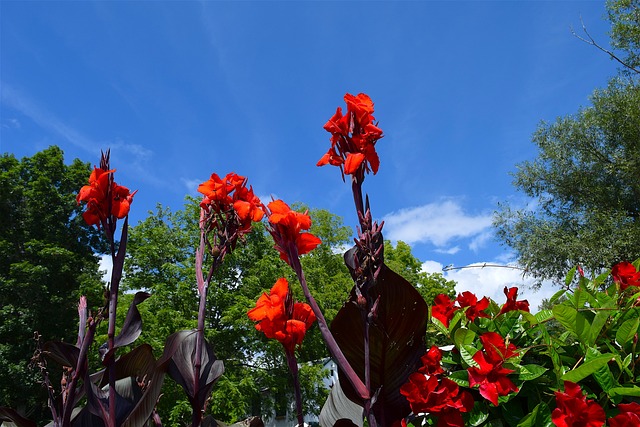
pixel 286 227
pixel 431 362
pixel 280 317
pixel 574 410
pixel 353 137
pixel 440 397
pixel 490 375
pixel 104 197
pixel 443 309
pixel 625 274
pixel 474 308
pixel 512 304
pixel 230 198
pixel 629 416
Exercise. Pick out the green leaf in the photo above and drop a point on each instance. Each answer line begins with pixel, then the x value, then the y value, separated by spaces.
pixel 530 372
pixel 460 377
pixel 627 331
pixel 463 336
pixel 467 352
pixel 544 315
pixel 539 417
pixel 569 278
pixel 556 296
pixel 587 368
pixel 633 391
pixel 478 414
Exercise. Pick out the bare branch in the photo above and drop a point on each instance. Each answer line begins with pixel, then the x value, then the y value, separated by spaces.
pixel 590 41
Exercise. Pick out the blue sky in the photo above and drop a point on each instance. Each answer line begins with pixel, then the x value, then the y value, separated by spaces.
pixel 179 90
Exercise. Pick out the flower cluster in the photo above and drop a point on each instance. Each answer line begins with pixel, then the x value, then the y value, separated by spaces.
pixel 625 275
pixel 280 317
pixel 444 308
pixel 573 409
pixel 230 196
pixel 286 227
pixel 104 197
pixel 429 392
pixel 353 137
pixel 490 374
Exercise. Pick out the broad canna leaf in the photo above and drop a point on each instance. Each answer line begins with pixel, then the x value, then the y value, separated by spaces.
pixel 396 343
pixel 8 415
pixel 131 329
pixel 138 384
pixel 63 353
pixel 179 354
pixel 338 407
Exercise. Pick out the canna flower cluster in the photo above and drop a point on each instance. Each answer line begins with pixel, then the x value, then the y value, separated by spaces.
pixel 280 318
pixel 106 200
pixel 230 198
pixel 428 391
pixel 353 137
pixel 490 374
pixel 286 226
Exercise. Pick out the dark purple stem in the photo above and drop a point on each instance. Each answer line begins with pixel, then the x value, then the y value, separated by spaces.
pixel 293 367
pixel 332 345
pixel 79 372
pixel 113 302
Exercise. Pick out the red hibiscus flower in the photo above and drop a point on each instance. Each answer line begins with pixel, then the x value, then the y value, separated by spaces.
pixel 629 416
pixel 440 397
pixel 574 410
pixel 512 304
pixel 474 308
pixel 490 375
pixel 431 362
pixel 280 317
pixel 286 227
pixel 625 274
pixel 443 309
pixel 353 137
pixel 104 197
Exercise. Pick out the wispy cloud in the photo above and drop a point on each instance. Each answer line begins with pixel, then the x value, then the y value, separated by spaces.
pixel 136 156
pixel 191 185
pixel 484 280
pixel 437 223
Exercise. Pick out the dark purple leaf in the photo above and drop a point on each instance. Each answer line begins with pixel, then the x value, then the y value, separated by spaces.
pixel 396 343
pixel 131 329
pixel 62 353
pixel 11 415
pixel 134 403
pixel 179 352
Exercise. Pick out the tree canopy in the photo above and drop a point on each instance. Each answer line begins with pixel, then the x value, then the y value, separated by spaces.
pixel 47 260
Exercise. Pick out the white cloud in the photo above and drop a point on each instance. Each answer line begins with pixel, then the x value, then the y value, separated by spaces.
pixel 451 251
pixel 192 185
pixel 437 223
pixel 485 279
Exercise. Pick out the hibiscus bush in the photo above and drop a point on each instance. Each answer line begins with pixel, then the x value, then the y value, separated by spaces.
pixel 571 366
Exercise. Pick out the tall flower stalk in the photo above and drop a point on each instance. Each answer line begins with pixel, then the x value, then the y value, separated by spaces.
pixel 227 211
pixel 106 203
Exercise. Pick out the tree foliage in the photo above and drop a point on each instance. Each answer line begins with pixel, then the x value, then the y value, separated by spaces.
pixel 47 260
pixel 587 188
pixel 584 182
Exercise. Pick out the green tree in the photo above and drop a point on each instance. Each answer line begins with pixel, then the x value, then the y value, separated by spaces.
pixel 47 260
pixel 401 260
pixel 586 186
pixel 585 182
